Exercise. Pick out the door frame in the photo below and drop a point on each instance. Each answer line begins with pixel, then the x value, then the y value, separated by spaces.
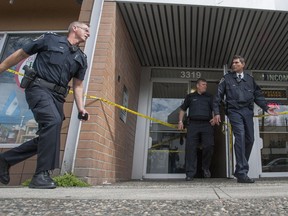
pixel 148 76
pixel 159 175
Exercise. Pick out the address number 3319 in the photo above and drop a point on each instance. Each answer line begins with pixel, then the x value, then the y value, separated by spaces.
pixel 190 75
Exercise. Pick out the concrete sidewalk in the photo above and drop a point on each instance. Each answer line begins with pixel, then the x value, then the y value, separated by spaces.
pixel 198 189
pixel 138 197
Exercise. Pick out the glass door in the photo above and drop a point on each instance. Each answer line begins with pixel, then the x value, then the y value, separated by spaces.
pixel 166 150
pixel 274 132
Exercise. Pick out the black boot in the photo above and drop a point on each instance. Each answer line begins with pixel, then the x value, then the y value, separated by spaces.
pixel 206 173
pixel 42 180
pixel 4 171
pixel 245 180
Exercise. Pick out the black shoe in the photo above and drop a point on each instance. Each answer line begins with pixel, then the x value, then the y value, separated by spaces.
pixel 245 180
pixel 42 180
pixel 4 171
pixel 188 178
pixel 207 173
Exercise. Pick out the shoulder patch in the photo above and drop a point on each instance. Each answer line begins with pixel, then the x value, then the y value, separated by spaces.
pixel 38 38
pixel 222 80
pixel 51 33
pixel 45 34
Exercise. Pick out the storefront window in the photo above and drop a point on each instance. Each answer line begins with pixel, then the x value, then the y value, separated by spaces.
pixel 17 123
pixel 274 132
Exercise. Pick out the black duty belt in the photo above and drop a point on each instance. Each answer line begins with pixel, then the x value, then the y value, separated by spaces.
pixel 56 88
pixel 198 120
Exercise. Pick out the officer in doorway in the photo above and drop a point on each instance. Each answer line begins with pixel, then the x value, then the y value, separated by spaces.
pixel 199 130
pixel 59 59
pixel 241 92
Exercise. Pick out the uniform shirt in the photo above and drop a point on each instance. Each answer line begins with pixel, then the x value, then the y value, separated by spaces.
pixel 200 106
pixel 56 61
pixel 239 93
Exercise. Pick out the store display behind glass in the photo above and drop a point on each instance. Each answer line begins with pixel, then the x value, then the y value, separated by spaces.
pixel 17 123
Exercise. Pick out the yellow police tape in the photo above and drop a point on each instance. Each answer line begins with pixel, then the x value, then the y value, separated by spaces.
pixel 15 72
pixel 156 120
pixel 279 113
pixel 116 105
pixel 134 112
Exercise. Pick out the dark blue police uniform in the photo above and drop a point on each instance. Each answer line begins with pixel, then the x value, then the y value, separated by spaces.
pixel 199 130
pixel 57 62
pixel 240 97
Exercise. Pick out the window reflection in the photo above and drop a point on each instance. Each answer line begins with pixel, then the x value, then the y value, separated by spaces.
pixel 166 151
pixel 17 121
pixel 273 131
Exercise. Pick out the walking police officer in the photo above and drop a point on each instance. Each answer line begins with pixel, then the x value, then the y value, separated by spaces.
pixel 241 92
pixel 199 130
pixel 59 59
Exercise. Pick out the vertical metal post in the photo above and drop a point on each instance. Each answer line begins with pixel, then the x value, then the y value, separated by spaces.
pixel 75 124
pixel 228 141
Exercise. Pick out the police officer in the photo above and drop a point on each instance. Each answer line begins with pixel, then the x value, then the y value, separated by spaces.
pixel 241 92
pixel 59 59
pixel 199 130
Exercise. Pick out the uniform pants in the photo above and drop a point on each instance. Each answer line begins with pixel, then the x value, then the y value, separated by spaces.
pixel 243 129
pixel 48 113
pixel 198 132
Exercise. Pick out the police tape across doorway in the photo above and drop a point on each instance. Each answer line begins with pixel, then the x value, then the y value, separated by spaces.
pixel 134 112
pixel 114 104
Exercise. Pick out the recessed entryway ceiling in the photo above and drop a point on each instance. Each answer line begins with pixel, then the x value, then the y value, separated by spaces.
pixel 167 35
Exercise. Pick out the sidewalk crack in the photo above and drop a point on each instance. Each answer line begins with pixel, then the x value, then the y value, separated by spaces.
pixel 217 194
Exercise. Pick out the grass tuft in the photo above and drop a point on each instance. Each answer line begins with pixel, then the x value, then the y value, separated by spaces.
pixel 66 180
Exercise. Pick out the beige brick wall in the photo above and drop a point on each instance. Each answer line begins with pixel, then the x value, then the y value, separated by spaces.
pixel 105 150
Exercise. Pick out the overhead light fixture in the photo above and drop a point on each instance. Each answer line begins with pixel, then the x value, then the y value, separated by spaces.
pixel 11 1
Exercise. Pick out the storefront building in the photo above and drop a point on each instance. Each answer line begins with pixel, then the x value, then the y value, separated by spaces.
pixel 146 56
